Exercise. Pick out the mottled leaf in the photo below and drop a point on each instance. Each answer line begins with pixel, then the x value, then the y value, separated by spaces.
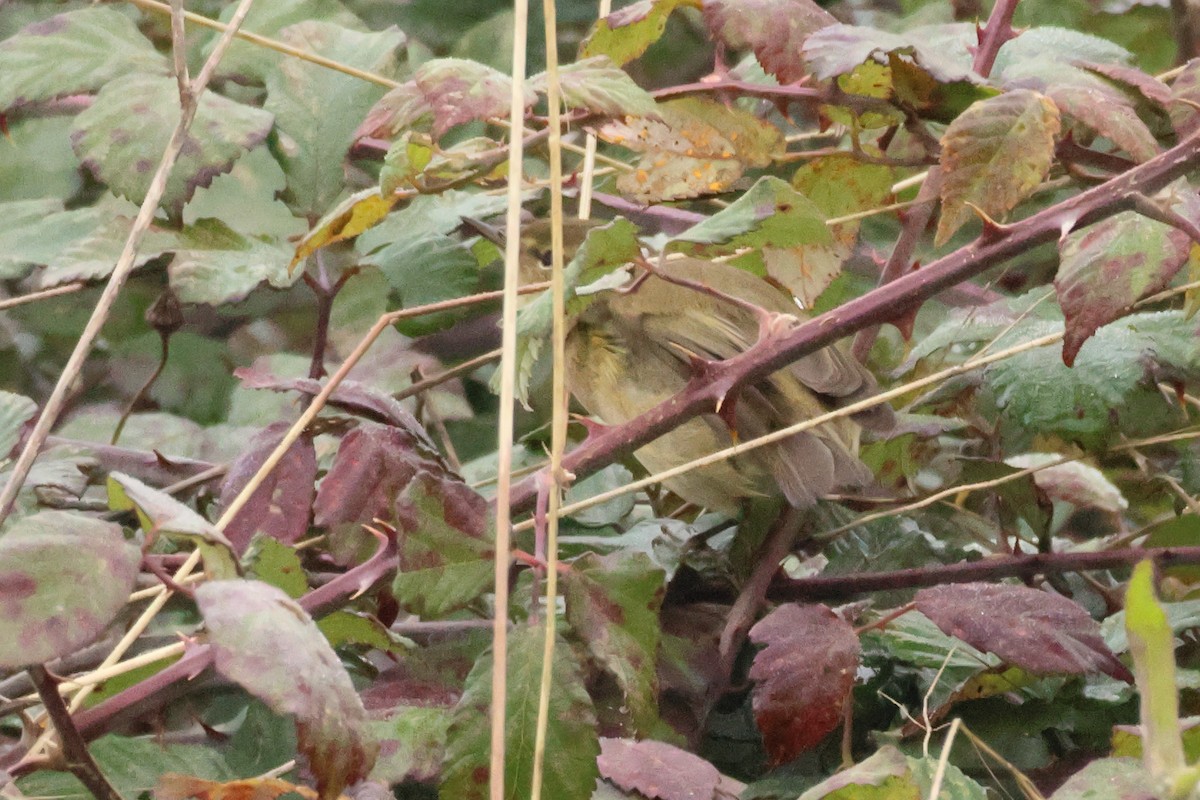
pixel 1041 632
pixel 691 147
pixel 457 91
pixel 1148 86
pixel 802 678
pixel 78 51
pixel 775 30
pixel 994 155
pixel 626 33
pixel 15 411
pixel 281 506
pixel 121 136
pixel 317 109
pixel 1107 267
pixel 373 463
pixel 661 771
pixel 63 578
pixel 571 742
pixel 267 644
pixel 162 515
pixel 612 605
pixel 446 546
pixel 412 741
pixel 598 86
pixel 173 786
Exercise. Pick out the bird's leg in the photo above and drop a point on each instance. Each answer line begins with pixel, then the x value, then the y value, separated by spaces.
pixel 775 547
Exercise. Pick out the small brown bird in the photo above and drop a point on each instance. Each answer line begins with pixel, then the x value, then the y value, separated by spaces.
pixel 631 349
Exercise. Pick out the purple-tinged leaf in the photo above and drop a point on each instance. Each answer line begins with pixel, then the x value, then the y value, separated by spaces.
pixel 267 644
pixel 1109 114
pixel 571 741
pixel 1148 86
pixel 1040 632
pixel 373 464
pixel 281 506
pixel 886 770
pixel 1109 778
pixel 612 605
pixel 63 578
pixel 79 51
pixel 1185 95
pixel 1107 267
pixel 661 771
pixel 120 137
pixel 937 50
pixel 802 677
pixel 774 29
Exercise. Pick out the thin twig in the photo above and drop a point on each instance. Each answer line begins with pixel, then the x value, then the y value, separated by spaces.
pixel 33 297
pixel 79 760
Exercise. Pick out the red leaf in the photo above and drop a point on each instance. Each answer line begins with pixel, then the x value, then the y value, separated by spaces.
pixel 661 771
pixel 802 678
pixel 1040 632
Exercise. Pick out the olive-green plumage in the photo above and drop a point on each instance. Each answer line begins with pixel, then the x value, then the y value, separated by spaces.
pixel 628 351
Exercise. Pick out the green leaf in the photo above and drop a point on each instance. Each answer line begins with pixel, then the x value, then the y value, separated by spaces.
pixel 1104 778
pixel 121 136
pixel 252 61
pixel 445 546
pixel 250 625
pixel 133 766
pixel 1106 392
pixel 163 515
pixel 79 51
pixel 612 605
pixel 92 255
pixel 625 34
pixel 1062 44
pixel 224 268
pixel 596 85
pixel 317 109
pixel 1153 647
pixel 994 155
pixel 1107 267
pixel 571 742
pixel 15 411
pixel 273 562
pixel 955 785
pixel 882 776
pixel 63 578
pixel 940 51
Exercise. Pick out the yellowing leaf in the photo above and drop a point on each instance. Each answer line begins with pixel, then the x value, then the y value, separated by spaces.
pixel 348 219
pixel 994 155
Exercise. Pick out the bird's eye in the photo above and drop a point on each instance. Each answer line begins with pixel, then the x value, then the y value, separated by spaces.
pixel 545 256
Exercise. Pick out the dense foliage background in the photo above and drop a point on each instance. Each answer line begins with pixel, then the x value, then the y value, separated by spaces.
pixel 992 206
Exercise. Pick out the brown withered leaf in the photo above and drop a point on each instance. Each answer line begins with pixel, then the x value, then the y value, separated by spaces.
pixel 802 677
pixel 774 29
pixel 1040 632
